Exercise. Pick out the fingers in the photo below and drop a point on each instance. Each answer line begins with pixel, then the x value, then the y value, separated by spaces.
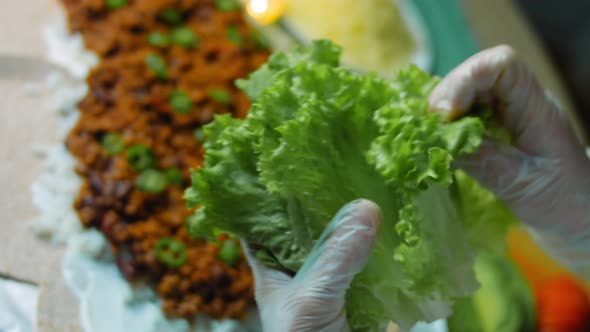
pixel 497 75
pixel 266 280
pixel 509 173
pixel 542 192
pixel 342 251
pixel 314 299
pixel 473 79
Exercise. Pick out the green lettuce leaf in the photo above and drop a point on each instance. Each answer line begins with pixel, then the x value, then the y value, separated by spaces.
pixel 487 219
pixel 318 136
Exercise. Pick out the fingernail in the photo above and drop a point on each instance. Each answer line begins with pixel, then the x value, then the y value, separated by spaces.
pixel 350 211
pixel 376 215
pixel 360 208
pixel 355 203
pixel 345 211
pixel 369 215
pixel 442 106
pixel 341 216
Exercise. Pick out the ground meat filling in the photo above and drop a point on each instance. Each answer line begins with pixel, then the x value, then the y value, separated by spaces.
pixel 128 100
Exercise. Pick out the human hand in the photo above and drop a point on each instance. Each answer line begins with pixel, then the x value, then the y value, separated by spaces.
pixel 314 299
pixel 545 176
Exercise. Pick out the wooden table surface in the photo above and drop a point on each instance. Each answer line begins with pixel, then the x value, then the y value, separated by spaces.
pixel 24 121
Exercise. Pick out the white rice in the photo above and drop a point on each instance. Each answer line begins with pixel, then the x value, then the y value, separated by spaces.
pixel 88 261
pixel 56 188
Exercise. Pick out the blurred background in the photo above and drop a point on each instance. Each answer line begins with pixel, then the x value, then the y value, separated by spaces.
pixel 564 29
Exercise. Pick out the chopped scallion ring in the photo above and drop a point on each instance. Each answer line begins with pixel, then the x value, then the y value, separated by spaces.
pixel 174 176
pixel 184 37
pixel 113 143
pixel 219 95
pixel 171 252
pixel 171 16
pixel 151 181
pixel 233 34
pixel 157 65
pixel 140 157
pixel 227 5
pixel 181 102
pixel 115 4
pixel 158 39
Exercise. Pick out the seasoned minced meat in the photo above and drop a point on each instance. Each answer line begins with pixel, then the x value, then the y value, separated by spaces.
pixel 124 97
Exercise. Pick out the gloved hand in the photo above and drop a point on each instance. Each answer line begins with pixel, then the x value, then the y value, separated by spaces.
pixel 314 299
pixel 545 177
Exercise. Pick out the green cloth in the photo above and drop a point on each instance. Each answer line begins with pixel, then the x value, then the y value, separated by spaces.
pixel 449 34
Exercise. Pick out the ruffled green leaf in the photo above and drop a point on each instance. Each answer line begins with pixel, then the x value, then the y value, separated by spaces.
pixel 318 136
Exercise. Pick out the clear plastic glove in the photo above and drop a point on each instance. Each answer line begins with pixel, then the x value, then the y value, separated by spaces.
pixel 545 177
pixel 314 299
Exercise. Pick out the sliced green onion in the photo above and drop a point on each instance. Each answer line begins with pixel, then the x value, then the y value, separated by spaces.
pixel 171 15
pixel 113 143
pixel 227 5
pixel 259 39
pixel 140 157
pixel 199 135
pixel 158 39
pixel 115 4
pixel 151 181
pixel 174 176
pixel 184 37
pixel 181 102
pixel 171 252
pixel 157 65
pixel 219 95
pixel 233 34
pixel 229 252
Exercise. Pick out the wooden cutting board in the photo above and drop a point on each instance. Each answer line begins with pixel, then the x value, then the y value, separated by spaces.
pixel 24 121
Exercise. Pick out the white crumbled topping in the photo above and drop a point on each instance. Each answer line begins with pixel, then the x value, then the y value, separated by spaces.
pixel 67 50
pixel 91 244
pixel 53 195
pixel 55 190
